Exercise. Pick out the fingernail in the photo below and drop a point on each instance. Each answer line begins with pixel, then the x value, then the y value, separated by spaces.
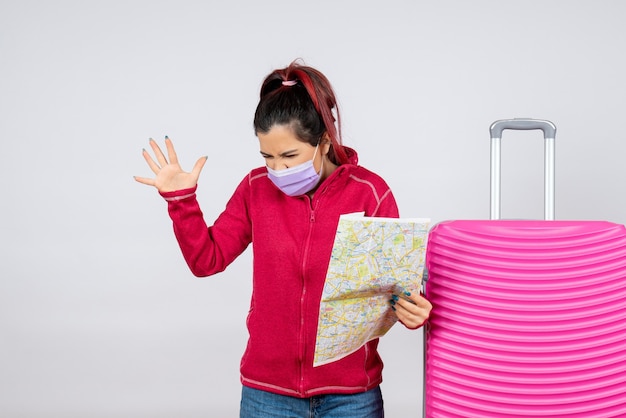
pixel 167 137
pixel 394 298
pixel 393 307
pixel 407 293
pixel 392 301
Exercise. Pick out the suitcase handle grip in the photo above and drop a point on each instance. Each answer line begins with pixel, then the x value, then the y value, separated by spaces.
pixel 549 133
pixel 548 128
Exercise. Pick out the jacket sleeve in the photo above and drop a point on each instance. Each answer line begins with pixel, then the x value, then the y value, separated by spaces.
pixel 210 249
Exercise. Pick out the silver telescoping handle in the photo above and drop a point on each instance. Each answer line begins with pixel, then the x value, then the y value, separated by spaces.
pixel 549 133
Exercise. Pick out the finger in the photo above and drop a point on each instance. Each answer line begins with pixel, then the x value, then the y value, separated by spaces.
pixel 412 313
pixel 153 166
pixel 409 307
pixel 197 167
pixel 411 316
pixel 419 300
pixel 158 153
pixel 171 153
pixel 416 306
pixel 144 180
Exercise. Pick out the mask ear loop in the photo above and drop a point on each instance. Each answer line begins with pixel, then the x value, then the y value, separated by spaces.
pixel 314 154
pixel 316 147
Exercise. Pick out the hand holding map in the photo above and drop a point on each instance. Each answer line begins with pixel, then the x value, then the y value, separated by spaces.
pixel 372 259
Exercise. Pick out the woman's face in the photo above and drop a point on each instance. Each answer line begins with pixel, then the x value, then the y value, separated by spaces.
pixel 281 149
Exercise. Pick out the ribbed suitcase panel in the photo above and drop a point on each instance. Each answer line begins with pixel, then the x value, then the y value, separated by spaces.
pixel 529 319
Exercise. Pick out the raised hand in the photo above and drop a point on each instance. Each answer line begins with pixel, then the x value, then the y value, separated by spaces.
pixel 169 176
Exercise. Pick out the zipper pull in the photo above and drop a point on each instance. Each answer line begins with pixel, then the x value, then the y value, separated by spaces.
pixel 312 216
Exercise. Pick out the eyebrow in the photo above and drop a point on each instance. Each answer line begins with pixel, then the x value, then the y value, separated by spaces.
pixel 282 154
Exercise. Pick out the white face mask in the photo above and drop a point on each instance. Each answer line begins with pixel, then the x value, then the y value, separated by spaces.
pixel 297 180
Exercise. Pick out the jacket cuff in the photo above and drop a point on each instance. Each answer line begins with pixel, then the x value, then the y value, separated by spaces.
pixel 179 194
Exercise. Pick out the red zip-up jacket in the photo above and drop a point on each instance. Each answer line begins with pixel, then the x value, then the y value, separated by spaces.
pixel 292 239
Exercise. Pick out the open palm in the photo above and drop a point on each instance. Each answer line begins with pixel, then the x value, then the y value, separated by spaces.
pixel 169 176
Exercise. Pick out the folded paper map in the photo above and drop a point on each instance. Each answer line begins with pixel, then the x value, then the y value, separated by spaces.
pixel 372 259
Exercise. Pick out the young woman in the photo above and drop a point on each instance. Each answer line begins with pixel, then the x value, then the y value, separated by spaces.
pixel 288 210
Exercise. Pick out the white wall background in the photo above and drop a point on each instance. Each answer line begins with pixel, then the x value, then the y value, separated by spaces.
pixel 100 317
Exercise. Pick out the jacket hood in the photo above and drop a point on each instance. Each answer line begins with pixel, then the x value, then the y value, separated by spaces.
pixel 353 157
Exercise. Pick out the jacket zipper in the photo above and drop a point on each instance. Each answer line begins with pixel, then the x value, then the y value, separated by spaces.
pixel 312 205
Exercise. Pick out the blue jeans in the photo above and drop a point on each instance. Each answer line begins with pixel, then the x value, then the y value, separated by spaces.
pixel 260 404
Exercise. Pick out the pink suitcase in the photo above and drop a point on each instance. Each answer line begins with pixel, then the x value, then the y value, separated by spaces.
pixel 529 317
